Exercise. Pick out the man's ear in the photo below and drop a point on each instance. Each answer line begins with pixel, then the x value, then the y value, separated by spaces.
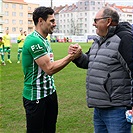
pixel 113 23
pixel 109 21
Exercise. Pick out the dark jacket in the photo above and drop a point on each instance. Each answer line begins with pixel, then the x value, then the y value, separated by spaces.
pixel 109 62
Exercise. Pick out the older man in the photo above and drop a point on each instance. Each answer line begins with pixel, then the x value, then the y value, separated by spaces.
pixel 109 62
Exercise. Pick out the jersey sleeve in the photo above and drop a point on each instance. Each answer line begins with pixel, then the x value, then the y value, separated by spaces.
pixel 37 48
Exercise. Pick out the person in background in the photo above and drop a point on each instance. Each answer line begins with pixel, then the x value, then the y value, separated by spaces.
pixel 7 45
pixel 25 33
pixel 39 93
pixel 110 65
pixel 67 39
pixel 20 41
pixel 1 51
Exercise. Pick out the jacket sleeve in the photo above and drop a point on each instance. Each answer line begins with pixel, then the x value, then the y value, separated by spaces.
pixel 82 61
pixel 126 50
pixel 132 93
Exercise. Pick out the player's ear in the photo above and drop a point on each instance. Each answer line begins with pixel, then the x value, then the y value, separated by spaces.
pixel 40 20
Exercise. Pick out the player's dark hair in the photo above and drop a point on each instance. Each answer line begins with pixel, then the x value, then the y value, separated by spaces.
pixel 0 38
pixel 42 12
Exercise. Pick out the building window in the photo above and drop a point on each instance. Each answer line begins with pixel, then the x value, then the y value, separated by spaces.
pixel 6 13
pixel 20 6
pixel 86 3
pixel 13 13
pixel 20 21
pixel 14 6
pixel 6 6
pixel 6 21
pixel 29 22
pixel 29 15
pixel 93 8
pixel 21 14
pixel 93 31
pixel 98 3
pixel 13 21
pixel 92 2
pixel 20 28
pixel 29 30
pixel 6 28
pixel 29 8
pixel 13 29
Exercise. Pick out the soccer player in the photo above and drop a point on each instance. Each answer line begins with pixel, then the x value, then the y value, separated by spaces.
pixel 39 93
pixel 1 51
pixel 7 44
pixel 20 41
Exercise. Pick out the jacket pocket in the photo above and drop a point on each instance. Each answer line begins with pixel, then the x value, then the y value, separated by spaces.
pixel 108 85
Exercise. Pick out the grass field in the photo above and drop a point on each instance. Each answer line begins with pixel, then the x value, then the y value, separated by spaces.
pixel 74 115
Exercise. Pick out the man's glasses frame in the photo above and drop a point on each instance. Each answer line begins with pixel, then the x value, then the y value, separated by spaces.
pixel 96 19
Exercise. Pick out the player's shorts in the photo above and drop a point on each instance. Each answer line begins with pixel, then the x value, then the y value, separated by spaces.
pixel 7 49
pixel 20 50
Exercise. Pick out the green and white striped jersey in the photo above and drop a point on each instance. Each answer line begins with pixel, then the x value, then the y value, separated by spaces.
pixel 37 84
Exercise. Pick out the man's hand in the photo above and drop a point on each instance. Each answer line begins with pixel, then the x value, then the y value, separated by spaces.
pixel 75 50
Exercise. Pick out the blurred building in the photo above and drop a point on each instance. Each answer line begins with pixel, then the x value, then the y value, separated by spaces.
pixel 78 18
pixel 16 15
pixel 1 17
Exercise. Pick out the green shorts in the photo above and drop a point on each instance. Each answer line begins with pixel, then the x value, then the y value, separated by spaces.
pixel 20 50
pixel 7 49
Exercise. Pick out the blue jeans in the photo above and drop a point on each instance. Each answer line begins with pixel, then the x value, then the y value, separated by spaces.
pixel 111 120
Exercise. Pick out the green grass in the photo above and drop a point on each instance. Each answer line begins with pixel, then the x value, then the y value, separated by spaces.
pixel 74 115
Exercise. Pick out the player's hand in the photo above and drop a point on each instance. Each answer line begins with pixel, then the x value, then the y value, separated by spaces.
pixel 75 50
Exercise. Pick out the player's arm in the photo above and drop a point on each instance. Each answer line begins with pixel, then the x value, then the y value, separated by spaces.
pixel 53 67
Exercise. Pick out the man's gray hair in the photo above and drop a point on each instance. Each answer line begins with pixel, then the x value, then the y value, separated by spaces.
pixel 111 12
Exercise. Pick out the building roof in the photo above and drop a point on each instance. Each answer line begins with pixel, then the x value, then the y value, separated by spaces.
pixel 65 9
pixel 58 9
pixel 126 9
pixel 15 1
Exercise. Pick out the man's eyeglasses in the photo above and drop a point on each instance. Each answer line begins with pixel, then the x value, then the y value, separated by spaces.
pixel 97 19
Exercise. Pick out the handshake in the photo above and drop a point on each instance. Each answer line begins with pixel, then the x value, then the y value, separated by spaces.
pixel 75 51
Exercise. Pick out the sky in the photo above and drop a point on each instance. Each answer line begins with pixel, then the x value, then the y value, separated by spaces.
pixel 69 2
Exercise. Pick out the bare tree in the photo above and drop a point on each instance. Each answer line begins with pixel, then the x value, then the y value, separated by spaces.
pixel 74 27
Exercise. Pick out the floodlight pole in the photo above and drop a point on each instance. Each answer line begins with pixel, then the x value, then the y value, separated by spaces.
pixel 51 3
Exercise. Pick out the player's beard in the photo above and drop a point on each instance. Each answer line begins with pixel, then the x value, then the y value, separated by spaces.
pixel 51 30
